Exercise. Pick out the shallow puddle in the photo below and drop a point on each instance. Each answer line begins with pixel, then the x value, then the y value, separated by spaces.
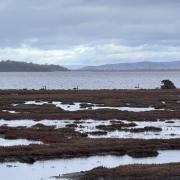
pixel 45 169
pixel 132 109
pixel 10 111
pixel 36 103
pixel 17 142
pixel 30 123
pixel 77 106
pixel 169 131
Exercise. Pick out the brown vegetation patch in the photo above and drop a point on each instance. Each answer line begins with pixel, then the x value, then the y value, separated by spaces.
pixel 86 105
pixel 134 172
pixel 119 127
pixel 114 98
pixel 65 142
pixel 71 125
pixel 98 133
pixel 145 129
pixel 139 153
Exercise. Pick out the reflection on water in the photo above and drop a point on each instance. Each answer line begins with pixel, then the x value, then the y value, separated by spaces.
pixel 46 169
pixel 170 128
pixel 77 106
pixel 17 142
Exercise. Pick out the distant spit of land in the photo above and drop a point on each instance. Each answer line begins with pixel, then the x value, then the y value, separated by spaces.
pixel 14 66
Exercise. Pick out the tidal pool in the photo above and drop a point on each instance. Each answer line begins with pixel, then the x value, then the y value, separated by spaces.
pixel 42 170
pixel 170 128
pixel 169 131
pixel 90 106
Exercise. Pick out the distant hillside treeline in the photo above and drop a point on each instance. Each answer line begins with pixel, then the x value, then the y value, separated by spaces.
pixel 14 66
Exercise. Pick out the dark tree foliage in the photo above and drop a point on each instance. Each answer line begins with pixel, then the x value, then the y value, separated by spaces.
pixel 167 84
pixel 14 66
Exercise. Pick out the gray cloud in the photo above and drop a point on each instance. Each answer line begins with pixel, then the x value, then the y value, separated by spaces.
pixel 63 26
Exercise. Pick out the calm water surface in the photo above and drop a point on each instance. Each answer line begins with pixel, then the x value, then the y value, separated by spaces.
pixel 43 170
pixel 85 80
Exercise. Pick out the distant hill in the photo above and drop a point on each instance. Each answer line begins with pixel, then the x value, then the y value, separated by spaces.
pixel 138 66
pixel 14 66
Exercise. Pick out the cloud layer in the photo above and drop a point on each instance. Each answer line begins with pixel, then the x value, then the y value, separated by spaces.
pixel 89 32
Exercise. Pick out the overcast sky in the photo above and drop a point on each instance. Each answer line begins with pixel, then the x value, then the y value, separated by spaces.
pixel 89 32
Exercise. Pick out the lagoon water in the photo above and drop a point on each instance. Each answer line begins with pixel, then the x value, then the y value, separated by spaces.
pixel 85 80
